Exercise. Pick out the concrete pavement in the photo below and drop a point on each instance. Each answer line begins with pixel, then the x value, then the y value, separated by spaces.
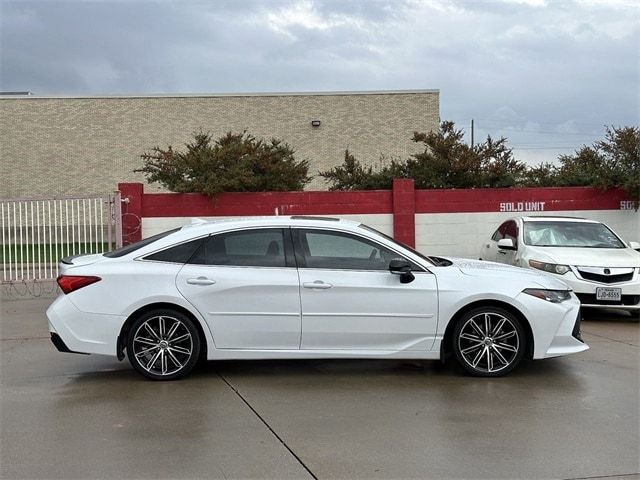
pixel 76 416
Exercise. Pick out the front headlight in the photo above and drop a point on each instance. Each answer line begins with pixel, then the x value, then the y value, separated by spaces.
pixel 549 267
pixel 553 296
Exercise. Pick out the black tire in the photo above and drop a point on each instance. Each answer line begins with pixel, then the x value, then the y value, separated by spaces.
pixel 163 345
pixel 489 355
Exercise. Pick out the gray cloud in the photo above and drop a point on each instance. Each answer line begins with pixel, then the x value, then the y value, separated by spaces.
pixel 547 76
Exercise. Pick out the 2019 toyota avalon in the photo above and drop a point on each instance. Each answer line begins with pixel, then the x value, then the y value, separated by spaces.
pixel 302 287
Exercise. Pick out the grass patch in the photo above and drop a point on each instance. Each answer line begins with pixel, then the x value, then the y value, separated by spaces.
pixel 48 253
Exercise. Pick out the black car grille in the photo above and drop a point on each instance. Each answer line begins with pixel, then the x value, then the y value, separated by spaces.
pixel 576 328
pixel 590 299
pixel 596 277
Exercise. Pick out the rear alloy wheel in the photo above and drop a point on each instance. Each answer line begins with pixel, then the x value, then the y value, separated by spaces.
pixel 163 345
pixel 489 342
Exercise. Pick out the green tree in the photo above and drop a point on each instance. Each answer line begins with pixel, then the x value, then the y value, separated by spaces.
pixel 236 162
pixel 499 168
pixel 448 162
pixel 352 175
pixel 543 175
pixel 611 162
pixel 620 151
pixel 445 162
pixel 584 167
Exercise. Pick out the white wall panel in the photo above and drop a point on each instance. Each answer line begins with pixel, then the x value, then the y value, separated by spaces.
pixel 462 234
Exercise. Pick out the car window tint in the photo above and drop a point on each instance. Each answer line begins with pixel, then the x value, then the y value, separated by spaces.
pixel 122 251
pixel 176 254
pixel 249 248
pixel 500 233
pixel 511 231
pixel 337 250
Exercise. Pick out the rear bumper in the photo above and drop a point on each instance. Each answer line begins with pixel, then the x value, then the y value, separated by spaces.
pixel 82 332
pixel 61 346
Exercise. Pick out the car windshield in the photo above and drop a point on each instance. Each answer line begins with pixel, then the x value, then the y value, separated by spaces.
pixel 570 234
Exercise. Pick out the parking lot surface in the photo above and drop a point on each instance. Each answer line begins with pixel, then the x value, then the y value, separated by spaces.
pixel 77 416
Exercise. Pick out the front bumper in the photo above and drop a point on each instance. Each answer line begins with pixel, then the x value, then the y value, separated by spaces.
pixel 585 290
pixel 555 326
pixel 629 302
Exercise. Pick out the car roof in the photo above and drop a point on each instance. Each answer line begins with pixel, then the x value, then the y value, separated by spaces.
pixel 557 218
pixel 204 226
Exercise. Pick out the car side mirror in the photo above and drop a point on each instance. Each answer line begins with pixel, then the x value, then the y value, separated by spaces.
pixel 635 245
pixel 401 267
pixel 506 244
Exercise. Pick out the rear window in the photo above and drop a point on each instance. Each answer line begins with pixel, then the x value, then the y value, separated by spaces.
pixel 122 251
pixel 178 253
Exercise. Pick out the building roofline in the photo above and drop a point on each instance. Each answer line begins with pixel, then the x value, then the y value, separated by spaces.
pixel 213 95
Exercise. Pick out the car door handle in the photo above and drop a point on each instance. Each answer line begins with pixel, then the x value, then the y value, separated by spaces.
pixel 319 284
pixel 200 281
pixel 502 252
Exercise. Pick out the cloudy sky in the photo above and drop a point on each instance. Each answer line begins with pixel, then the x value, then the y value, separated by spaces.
pixel 545 74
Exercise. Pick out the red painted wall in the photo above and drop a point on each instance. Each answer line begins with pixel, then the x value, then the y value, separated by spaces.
pixel 247 204
pixel 517 200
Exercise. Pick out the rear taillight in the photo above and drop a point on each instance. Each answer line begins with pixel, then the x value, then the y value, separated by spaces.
pixel 71 283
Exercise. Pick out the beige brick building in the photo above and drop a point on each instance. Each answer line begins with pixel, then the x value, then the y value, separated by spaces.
pixel 80 145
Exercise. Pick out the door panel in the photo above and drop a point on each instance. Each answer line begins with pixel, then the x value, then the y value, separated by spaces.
pixel 252 308
pixel 350 300
pixel 367 310
pixel 506 256
pixel 489 251
pixel 244 283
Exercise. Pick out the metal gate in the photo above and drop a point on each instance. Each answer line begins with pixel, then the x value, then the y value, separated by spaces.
pixel 38 232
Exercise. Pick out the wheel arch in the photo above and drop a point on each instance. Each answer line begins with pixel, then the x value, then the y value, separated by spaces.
pixel 124 331
pixel 445 346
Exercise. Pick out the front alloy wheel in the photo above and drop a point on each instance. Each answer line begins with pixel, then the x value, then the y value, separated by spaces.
pixel 489 342
pixel 163 345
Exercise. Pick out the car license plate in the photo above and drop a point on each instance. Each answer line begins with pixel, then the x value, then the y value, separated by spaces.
pixel 609 294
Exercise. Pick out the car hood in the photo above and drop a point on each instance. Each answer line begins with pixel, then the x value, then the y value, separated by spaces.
pixel 477 268
pixel 586 257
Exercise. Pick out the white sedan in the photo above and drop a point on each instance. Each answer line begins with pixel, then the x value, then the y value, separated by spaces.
pixel 588 256
pixel 303 287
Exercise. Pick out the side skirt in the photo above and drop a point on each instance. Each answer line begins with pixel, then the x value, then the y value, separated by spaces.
pixel 237 354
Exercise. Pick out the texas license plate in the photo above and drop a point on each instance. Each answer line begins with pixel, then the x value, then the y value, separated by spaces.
pixel 609 294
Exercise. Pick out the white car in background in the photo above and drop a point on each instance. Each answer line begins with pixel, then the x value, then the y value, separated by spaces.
pixel 301 287
pixel 602 270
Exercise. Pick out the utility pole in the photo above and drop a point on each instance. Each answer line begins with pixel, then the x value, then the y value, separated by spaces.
pixel 472 133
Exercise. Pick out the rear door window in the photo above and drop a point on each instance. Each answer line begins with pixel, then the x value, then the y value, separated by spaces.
pixel 247 248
